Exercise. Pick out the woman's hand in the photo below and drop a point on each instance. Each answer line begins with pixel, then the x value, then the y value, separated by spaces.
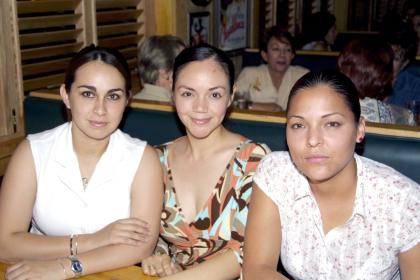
pixel 36 270
pixel 131 231
pixel 159 265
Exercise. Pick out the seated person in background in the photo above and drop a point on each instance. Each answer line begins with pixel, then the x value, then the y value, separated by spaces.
pixel 268 85
pixel 90 194
pixel 155 61
pixel 321 32
pixel 207 175
pixel 329 213
pixel 369 64
pixel 412 9
pixel 406 83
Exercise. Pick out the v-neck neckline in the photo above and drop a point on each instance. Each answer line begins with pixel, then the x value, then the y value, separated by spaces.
pixel 221 177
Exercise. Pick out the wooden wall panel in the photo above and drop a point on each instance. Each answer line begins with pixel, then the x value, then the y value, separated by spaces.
pixel 11 90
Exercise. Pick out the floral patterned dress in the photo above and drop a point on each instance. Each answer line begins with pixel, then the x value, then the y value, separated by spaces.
pixel 220 224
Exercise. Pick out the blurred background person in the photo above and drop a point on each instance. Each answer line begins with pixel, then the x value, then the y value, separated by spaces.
pixel 416 27
pixel 411 15
pixel 321 32
pixel 369 64
pixel 268 85
pixel 406 79
pixel 155 60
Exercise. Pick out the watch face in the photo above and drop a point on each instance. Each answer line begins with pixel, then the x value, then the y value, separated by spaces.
pixel 202 3
pixel 76 266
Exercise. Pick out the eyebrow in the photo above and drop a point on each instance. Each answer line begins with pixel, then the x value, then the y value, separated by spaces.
pixel 331 114
pixel 86 86
pixel 116 89
pixel 185 87
pixel 94 88
pixel 217 87
pixel 191 89
pixel 323 116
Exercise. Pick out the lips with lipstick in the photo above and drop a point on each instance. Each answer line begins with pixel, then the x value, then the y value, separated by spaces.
pixel 200 121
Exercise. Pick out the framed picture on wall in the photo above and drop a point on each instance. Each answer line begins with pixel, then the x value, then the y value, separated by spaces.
pixel 232 24
pixel 199 28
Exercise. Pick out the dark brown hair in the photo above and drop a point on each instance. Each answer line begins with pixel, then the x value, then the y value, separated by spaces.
pixel 106 55
pixel 279 34
pixel 368 63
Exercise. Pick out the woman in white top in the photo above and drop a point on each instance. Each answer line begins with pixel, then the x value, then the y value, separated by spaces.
pixel 90 194
pixel 268 85
pixel 329 213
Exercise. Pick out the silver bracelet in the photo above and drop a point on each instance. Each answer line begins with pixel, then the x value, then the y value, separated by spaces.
pixel 71 245
pixel 76 238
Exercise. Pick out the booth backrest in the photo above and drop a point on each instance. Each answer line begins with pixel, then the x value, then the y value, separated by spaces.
pixel 156 127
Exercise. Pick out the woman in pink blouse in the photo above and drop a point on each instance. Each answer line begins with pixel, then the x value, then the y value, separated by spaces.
pixel 329 213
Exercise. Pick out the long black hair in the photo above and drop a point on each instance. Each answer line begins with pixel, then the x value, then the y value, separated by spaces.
pixel 202 52
pixel 337 81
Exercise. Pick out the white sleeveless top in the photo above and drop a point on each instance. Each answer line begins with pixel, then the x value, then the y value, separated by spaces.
pixel 63 206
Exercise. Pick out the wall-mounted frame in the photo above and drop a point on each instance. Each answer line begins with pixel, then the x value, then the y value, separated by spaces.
pixel 232 20
pixel 199 28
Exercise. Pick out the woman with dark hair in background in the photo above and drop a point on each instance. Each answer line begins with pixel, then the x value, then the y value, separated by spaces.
pixel 369 64
pixel 329 213
pixel 207 175
pixel 411 12
pixel 268 85
pixel 90 194
pixel 406 80
pixel 321 32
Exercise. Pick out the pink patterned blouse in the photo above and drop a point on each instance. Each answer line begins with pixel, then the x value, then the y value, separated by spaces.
pixel 385 222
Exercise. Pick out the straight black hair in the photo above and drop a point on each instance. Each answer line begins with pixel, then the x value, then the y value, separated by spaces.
pixel 106 55
pixel 337 81
pixel 202 52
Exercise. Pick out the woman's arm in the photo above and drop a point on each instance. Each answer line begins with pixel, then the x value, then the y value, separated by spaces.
pixel 146 204
pixel 17 197
pixel 409 263
pixel 19 188
pixel 262 238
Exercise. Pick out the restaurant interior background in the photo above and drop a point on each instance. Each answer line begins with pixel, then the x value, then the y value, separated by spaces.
pixel 38 37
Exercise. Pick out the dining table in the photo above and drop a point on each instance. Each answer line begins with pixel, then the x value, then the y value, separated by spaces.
pixel 126 273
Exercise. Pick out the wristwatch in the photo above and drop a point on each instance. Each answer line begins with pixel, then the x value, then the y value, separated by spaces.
pixel 76 266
